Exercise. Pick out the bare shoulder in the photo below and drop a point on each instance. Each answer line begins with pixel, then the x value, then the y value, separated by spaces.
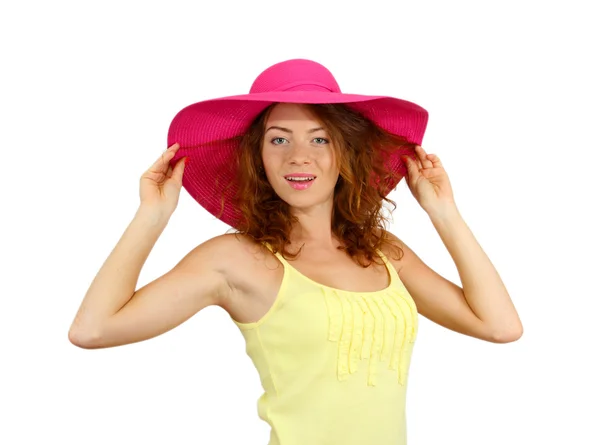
pixel 437 298
pixel 395 250
pixel 249 268
pixel 405 260
pixel 230 251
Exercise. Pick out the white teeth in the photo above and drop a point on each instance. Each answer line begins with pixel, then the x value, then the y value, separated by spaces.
pixel 299 178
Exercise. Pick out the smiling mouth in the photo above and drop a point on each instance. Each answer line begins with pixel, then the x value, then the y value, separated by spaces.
pixel 300 179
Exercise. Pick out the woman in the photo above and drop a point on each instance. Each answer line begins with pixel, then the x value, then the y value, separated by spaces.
pixel 325 297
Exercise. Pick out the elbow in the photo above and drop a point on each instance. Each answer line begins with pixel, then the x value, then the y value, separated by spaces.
pixel 83 340
pixel 508 336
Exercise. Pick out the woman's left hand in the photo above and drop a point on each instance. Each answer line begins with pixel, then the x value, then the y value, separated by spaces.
pixel 428 182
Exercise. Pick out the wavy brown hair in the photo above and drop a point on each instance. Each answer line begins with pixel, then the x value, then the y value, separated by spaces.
pixel 362 150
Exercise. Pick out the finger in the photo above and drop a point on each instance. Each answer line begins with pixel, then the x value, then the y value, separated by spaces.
pixel 162 163
pixel 173 147
pixel 435 160
pixel 422 155
pixel 177 175
pixel 411 166
pixel 416 159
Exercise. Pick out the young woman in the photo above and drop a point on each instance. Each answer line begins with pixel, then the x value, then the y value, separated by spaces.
pixel 326 298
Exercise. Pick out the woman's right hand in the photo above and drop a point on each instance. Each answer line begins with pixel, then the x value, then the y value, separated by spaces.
pixel 160 185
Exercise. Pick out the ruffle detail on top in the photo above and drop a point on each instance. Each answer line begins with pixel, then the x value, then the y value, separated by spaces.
pixel 377 326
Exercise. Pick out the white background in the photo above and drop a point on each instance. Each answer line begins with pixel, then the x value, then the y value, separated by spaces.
pixel 87 94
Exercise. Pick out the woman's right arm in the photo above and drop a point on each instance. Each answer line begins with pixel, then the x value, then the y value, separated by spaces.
pixel 113 313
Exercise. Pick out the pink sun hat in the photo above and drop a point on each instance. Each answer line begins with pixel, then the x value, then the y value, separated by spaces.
pixel 208 132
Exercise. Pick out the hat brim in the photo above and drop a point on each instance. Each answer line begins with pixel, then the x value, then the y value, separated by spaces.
pixel 206 133
pixel 230 116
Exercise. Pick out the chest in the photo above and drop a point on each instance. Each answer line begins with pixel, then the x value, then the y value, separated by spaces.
pixel 337 270
pixel 261 281
pixel 318 328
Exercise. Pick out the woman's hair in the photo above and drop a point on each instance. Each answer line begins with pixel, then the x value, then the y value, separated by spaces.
pixel 361 149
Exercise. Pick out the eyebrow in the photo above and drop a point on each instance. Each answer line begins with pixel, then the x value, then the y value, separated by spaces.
pixel 287 130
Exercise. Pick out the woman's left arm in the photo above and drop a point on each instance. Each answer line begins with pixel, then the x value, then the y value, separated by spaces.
pixel 482 288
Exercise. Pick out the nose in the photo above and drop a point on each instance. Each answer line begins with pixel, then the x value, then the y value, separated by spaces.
pixel 299 155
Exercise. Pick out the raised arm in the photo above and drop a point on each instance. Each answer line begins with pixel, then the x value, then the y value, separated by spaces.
pixel 112 312
pixel 197 281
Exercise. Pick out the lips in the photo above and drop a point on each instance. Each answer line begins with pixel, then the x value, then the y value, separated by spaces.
pixel 300 177
pixel 300 181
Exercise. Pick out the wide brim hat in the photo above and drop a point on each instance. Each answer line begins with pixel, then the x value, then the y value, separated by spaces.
pixel 208 131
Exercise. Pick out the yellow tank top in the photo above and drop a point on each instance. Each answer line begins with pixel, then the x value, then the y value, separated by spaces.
pixel 334 364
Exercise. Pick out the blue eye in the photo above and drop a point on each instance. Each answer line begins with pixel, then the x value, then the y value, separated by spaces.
pixel 278 141
pixel 281 141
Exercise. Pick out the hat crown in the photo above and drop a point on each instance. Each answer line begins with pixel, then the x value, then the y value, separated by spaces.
pixel 295 75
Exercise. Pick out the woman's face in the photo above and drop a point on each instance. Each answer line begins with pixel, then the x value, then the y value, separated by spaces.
pixel 298 157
